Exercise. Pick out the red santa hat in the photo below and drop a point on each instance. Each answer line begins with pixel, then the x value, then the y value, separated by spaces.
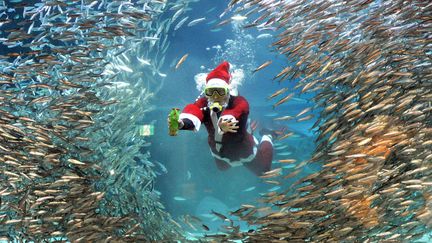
pixel 220 76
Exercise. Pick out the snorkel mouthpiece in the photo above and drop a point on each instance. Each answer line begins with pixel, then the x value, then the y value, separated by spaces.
pixel 216 107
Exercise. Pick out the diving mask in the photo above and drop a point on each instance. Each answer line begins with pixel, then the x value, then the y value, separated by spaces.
pixel 211 91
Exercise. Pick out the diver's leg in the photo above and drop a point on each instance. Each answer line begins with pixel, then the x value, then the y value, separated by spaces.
pixel 263 159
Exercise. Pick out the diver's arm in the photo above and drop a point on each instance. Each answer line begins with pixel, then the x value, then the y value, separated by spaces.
pixel 193 113
pixel 233 116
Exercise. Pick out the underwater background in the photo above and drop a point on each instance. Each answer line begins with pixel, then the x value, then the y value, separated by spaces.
pixel 86 88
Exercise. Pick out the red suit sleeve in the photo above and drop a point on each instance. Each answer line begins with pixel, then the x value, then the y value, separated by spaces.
pixel 194 112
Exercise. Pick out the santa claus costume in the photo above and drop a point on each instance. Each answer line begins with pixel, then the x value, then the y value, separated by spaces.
pixel 229 149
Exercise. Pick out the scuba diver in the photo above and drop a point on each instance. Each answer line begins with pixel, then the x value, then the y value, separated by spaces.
pixel 225 117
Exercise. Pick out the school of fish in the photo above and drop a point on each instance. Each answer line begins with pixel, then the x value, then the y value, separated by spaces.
pixel 368 65
pixel 73 167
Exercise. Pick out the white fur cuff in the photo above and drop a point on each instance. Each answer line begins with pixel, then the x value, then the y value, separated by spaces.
pixel 193 118
pixel 267 138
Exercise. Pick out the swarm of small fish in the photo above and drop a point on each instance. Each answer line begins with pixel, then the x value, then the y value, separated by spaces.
pixel 368 65
pixel 70 159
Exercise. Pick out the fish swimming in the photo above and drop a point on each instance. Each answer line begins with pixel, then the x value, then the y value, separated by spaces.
pixel 278 92
pixel 283 100
pixel 196 21
pixel 359 101
pixel 262 66
pixel 179 198
pixel 182 59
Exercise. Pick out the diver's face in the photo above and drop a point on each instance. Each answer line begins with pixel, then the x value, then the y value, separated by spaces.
pixel 221 99
pixel 217 94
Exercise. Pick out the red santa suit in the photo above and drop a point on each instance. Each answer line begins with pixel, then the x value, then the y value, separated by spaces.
pixel 229 149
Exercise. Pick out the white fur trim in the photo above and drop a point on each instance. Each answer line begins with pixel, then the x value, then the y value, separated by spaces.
pixel 237 162
pixel 255 140
pixel 217 82
pixel 267 138
pixel 237 78
pixel 218 132
pixel 193 118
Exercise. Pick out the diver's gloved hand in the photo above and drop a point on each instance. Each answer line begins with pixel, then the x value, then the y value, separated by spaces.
pixel 181 123
pixel 228 125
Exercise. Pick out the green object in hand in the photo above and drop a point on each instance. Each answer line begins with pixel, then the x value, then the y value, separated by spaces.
pixel 174 124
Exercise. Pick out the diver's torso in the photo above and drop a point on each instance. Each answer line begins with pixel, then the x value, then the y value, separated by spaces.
pixel 234 145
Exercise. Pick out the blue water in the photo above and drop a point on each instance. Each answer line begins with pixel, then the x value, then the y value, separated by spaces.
pixel 188 181
pixel 193 185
